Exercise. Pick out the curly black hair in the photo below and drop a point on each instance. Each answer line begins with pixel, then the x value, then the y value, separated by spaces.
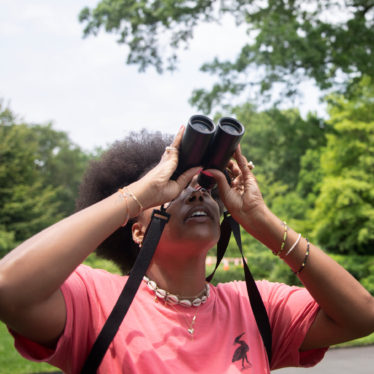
pixel 122 164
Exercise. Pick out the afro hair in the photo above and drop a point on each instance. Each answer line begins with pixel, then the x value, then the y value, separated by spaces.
pixel 122 164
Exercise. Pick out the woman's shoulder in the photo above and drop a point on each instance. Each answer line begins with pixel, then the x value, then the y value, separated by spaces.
pixel 87 278
pixel 275 296
pixel 267 289
pixel 236 285
pixel 87 270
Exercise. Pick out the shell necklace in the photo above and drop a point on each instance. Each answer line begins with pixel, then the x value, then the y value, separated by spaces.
pixel 173 300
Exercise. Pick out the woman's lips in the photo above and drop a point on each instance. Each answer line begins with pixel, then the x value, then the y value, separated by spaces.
pixel 198 213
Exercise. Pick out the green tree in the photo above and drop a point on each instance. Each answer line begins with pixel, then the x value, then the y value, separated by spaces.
pixel 25 207
pixel 39 174
pixel 330 42
pixel 280 143
pixel 60 163
pixel 344 213
pixel 276 140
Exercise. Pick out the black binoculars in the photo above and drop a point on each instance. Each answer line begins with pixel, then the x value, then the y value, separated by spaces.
pixel 207 145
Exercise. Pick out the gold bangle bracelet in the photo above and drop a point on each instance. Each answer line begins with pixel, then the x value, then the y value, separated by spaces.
pixel 125 192
pixel 277 253
pixel 124 197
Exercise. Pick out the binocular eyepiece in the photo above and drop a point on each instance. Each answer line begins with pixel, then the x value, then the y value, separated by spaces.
pixel 208 145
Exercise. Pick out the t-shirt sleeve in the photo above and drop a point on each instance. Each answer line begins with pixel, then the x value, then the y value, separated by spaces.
pixel 65 355
pixel 291 311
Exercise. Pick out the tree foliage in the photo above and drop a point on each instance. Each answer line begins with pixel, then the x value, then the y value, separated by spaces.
pixel 142 25
pixel 40 171
pixel 277 139
pixel 280 143
pixel 344 214
pixel 330 42
pixel 60 164
pixel 317 176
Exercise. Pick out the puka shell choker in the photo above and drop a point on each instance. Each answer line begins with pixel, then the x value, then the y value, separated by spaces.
pixel 171 299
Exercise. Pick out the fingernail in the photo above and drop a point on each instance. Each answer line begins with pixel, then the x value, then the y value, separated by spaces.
pixel 207 173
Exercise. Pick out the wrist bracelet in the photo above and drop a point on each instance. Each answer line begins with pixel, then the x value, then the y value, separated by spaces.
pixel 126 193
pixel 293 246
pixel 305 258
pixel 124 197
pixel 276 253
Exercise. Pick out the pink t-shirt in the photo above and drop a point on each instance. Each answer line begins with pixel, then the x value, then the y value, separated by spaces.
pixel 154 338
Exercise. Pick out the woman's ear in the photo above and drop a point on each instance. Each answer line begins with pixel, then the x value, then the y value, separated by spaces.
pixel 138 231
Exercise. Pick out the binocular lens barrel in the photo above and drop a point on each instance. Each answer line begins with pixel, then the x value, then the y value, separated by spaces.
pixel 196 139
pixel 226 139
pixel 208 145
pixel 201 126
pixel 233 128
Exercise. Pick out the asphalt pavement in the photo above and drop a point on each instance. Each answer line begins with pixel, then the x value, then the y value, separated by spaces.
pixel 340 361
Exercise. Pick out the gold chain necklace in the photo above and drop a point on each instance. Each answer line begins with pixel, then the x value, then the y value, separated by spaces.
pixel 191 325
pixel 172 300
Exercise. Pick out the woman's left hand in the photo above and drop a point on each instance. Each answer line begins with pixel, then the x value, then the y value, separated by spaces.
pixel 243 198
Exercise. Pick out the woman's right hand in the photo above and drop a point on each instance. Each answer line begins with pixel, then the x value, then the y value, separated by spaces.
pixel 242 198
pixel 156 187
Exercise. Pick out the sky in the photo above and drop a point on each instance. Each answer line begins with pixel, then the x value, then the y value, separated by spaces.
pixel 50 73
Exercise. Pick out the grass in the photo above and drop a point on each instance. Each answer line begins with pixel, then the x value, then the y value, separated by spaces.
pixel 12 363
pixel 10 360
pixel 367 340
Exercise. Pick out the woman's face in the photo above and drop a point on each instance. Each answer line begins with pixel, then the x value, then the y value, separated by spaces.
pixel 194 220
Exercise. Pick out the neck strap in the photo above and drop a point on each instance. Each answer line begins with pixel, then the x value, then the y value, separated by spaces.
pixel 229 225
pixel 112 324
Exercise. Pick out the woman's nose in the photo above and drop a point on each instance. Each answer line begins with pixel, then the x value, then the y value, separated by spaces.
pixel 197 194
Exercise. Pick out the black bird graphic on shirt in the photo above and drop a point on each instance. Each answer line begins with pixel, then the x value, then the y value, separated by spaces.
pixel 241 352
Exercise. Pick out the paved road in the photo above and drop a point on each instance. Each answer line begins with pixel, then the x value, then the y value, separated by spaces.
pixel 340 361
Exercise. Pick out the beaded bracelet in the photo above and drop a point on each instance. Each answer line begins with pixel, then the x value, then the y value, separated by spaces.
pixel 305 259
pixel 276 253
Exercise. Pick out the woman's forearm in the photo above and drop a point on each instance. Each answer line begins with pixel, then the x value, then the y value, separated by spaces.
pixel 37 267
pixel 341 297
pixel 347 309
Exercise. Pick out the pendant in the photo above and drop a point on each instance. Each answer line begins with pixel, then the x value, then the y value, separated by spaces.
pixel 191 330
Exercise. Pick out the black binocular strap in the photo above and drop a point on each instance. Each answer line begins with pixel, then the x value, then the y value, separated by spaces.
pixel 229 225
pixel 222 244
pixel 255 299
pixel 112 324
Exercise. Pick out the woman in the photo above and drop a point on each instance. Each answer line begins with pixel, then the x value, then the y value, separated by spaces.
pixel 56 307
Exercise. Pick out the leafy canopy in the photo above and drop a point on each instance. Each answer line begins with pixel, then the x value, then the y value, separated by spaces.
pixel 283 146
pixel 344 213
pixel 288 41
pixel 40 170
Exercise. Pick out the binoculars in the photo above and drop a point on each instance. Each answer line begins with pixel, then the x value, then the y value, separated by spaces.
pixel 207 145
